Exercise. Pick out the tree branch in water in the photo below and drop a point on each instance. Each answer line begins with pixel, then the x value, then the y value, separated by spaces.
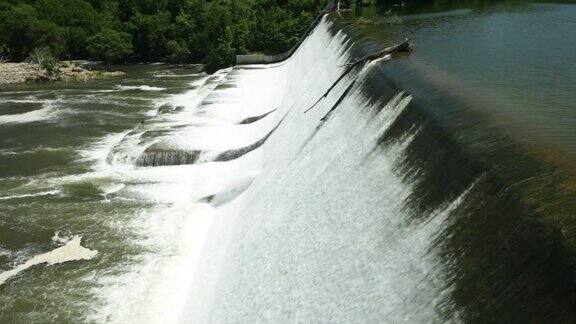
pixel 405 46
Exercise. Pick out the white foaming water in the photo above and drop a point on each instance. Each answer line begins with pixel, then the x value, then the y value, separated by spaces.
pixel 97 153
pixel 34 150
pixel 28 195
pixel 71 251
pixel 194 125
pixel 321 234
pixel 31 100
pixel 48 111
pixel 140 87
pixel 191 99
pixel 155 288
pixel 111 188
pixel 310 226
pixel 4 252
pixel 151 290
pixel 60 239
pixel 172 75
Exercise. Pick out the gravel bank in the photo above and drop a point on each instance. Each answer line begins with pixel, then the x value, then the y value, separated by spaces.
pixel 11 73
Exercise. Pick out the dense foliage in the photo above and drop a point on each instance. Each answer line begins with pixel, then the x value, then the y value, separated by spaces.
pixel 209 31
pixel 45 60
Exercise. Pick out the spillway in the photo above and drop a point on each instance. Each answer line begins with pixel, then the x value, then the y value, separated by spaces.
pixel 368 207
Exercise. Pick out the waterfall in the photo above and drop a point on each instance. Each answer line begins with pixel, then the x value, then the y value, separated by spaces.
pixel 365 208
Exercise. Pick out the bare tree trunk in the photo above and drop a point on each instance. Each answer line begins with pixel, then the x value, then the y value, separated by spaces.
pixel 405 46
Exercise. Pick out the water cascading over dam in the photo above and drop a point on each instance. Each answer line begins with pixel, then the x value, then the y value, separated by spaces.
pixel 365 208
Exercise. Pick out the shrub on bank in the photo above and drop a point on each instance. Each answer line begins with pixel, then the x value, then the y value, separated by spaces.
pixel 44 59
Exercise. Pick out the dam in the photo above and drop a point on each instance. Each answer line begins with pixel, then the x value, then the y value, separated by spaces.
pixel 366 207
pixel 254 194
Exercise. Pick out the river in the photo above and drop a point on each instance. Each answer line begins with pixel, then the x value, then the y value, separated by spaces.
pixel 56 183
pixel 426 187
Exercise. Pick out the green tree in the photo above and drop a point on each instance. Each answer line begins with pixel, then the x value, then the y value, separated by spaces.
pixel 45 60
pixel 222 54
pixel 110 46
pixel 209 31
pixel 22 30
pixel 150 35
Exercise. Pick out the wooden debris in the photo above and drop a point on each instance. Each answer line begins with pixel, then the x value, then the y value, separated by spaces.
pixel 405 46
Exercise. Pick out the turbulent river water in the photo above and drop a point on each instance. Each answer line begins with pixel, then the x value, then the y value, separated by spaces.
pixel 430 187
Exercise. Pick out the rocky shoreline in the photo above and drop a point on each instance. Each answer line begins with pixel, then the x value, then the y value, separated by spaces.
pixel 14 73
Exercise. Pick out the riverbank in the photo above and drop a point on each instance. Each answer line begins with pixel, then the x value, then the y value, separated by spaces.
pixel 14 73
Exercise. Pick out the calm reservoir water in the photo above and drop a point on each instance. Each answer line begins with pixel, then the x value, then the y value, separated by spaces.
pixel 512 60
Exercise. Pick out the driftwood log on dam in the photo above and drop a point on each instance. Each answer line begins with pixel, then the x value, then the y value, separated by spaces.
pixel 405 46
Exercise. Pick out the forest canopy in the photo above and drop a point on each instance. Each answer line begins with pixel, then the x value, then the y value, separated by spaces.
pixel 178 31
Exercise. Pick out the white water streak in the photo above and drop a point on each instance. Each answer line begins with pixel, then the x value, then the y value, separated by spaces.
pixel 47 112
pixel 71 251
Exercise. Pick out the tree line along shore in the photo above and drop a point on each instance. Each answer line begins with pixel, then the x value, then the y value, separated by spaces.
pixel 134 31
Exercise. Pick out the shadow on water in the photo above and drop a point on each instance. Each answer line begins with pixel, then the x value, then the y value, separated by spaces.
pixel 510 244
